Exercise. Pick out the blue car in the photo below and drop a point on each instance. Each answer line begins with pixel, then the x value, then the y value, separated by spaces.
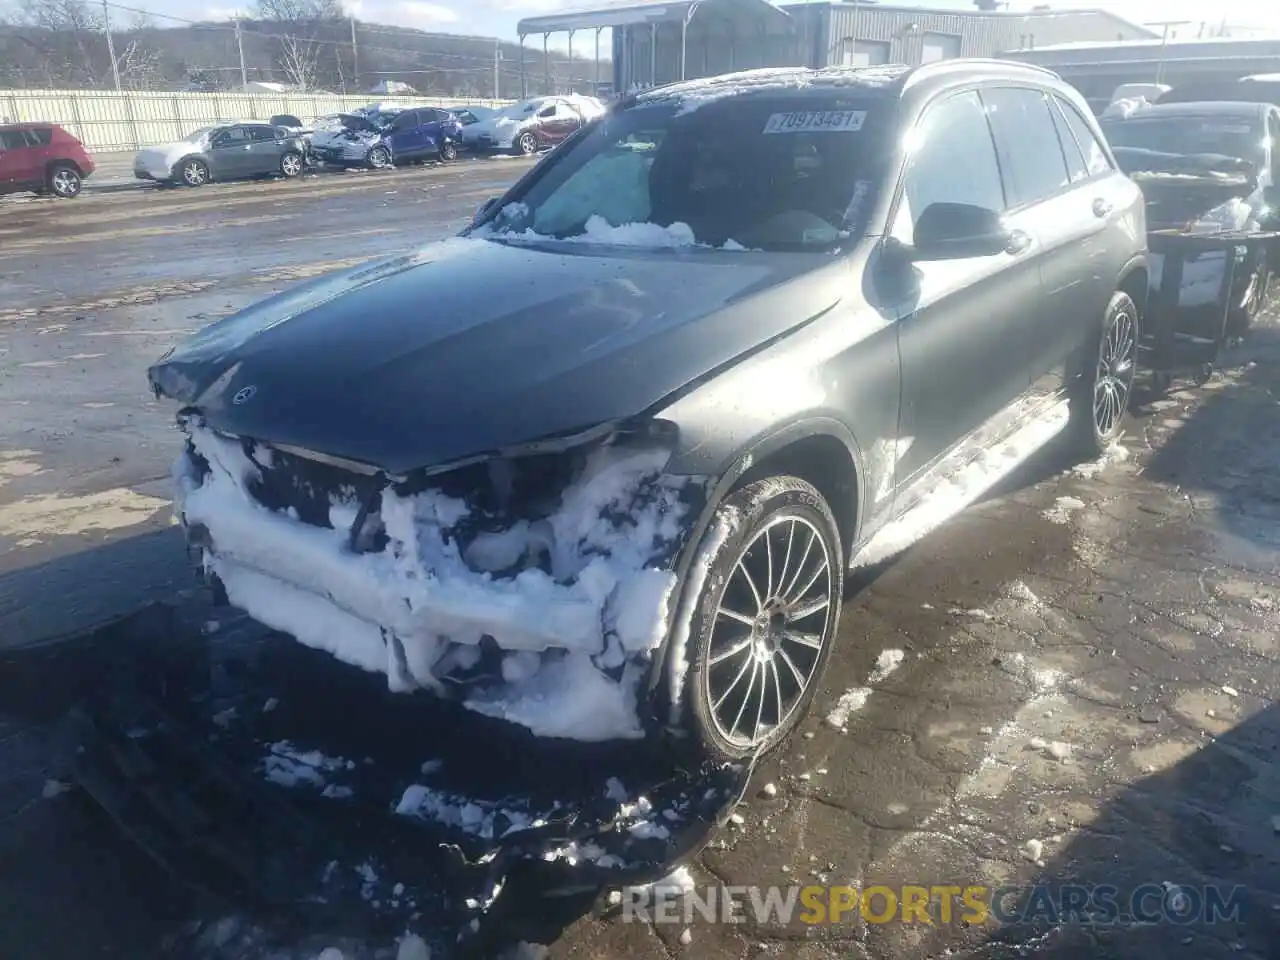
pixel 384 137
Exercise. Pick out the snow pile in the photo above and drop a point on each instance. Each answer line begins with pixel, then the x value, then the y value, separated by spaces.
pixel 1126 107
pixel 290 766
pixel 849 703
pixel 598 230
pixel 1113 454
pixel 958 491
pixel 487 820
pixel 577 636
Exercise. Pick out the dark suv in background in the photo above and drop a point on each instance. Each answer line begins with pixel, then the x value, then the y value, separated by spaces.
pixel 744 333
pixel 42 158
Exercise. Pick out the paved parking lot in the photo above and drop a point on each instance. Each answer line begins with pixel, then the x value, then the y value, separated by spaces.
pixel 91 292
pixel 1073 683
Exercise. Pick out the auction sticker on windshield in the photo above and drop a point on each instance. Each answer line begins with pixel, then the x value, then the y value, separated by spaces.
pixel 809 121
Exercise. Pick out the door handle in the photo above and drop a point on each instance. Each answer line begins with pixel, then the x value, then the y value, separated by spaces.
pixel 1018 242
pixel 1101 207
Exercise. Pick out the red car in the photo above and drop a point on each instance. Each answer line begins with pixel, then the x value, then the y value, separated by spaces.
pixel 42 158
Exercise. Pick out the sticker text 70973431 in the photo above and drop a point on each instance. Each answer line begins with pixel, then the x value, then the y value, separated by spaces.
pixel 812 121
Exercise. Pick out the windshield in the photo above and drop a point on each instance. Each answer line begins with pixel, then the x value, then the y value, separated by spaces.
pixel 520 110
pixel 1231 136
pixel 195 136
pixel 752 173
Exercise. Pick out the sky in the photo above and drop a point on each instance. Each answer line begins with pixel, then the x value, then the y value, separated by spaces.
pixel 499 17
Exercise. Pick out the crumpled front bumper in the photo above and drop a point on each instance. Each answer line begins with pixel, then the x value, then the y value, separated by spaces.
pixel 511 643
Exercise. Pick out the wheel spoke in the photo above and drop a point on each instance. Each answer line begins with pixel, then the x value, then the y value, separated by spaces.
pixel 768 559
pixel 806 610
pixel 804 558
pixel 741 566
pixel 736 680
pixel 764 676
pixel 735 615
pixel 731 651
pixel 786 559
pixel 777 690
pixel 802 679
pixel 755 670
pixel 810 640
pixel 822 568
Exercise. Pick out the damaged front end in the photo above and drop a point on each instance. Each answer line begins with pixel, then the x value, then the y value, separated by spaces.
pixel 535 586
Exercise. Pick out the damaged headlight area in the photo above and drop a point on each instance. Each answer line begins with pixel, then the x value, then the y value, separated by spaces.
pixel 534 586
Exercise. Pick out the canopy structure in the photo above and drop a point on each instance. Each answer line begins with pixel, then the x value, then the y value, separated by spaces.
pixel 639 27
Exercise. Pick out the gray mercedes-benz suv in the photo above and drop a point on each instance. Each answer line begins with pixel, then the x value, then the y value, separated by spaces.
pixel 598 466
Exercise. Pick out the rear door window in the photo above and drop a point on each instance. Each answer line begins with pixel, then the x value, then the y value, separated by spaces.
pixel 39 137
pixel 262 134
pixel 1095 157
pixel 1031 157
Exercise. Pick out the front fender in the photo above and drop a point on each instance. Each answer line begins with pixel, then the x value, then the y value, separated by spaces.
pixel 721 483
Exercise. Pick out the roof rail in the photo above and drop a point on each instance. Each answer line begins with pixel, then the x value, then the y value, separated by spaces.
pixel 926 70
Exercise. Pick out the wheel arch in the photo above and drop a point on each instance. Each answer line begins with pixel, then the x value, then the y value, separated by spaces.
pixel 819 450
pixel 175 171
pixel 1135 280
pixel 52 165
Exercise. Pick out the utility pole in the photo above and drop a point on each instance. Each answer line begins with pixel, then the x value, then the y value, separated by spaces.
pixel 244 74
pixel 111 46
pixel 355 55
pixel 497 58
pixel 1165 37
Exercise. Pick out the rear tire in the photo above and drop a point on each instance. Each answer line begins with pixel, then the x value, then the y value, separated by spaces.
pixel 64 181
pixel 291 165
pixel 765 620
pixel 526 144
pixel 1102 396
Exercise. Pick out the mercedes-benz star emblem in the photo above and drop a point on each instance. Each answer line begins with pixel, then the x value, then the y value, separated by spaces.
pixel 244 394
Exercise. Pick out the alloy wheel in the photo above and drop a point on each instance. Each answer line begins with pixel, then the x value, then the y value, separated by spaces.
pixel 194 173
pixel 66 183
pixel 379 158
pixel 769 632
pixel 527 144
pixel 291 165
pixel 1114 380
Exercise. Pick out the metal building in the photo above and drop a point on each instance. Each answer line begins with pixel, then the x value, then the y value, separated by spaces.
pixel 1096 69
pixel 656 42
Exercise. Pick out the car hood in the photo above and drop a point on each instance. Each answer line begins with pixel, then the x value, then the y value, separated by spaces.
pixel 472 346
pixel 495 125
pixel 167 154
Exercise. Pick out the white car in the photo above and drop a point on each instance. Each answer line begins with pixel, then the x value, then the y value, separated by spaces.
pixel 532 125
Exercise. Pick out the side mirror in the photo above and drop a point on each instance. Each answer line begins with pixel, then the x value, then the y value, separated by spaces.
pixel 957 231
pixel 485 208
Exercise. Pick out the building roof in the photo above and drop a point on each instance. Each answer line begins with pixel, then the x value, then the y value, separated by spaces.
pixel 1025 15
pixel 634 12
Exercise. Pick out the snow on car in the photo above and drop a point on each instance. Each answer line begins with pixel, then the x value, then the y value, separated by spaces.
pixel 381 136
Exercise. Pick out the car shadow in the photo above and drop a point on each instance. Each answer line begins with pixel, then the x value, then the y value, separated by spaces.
pixel 1184 862
pixel 73 590
pixel 1226 455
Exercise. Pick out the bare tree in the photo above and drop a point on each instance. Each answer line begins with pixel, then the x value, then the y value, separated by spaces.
pixel 69 40
pixel 303 23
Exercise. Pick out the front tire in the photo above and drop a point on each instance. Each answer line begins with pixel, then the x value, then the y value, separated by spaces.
pixel 64 182
pixel 765 621
pixel 1102 398
pixel 1241 317
pixel 194 173
pixel 379 158
pixel 448 151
